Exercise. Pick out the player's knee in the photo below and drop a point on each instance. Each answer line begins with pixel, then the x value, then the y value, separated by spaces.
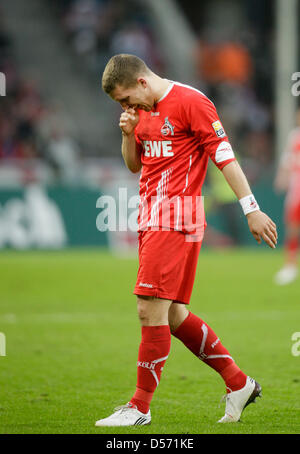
pixel 152 311
pixel 177 314
pixel 144 311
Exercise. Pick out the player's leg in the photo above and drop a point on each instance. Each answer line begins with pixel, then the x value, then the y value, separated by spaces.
pixel 160 259
pixel 195 333
pixel 201 340
pixel 289 272
pixel 153 352
pixel 154 348
pixel 153 311
pixel 198 337
pixel 292 244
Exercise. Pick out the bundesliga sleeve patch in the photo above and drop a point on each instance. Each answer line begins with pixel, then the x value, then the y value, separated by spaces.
pixel 218 128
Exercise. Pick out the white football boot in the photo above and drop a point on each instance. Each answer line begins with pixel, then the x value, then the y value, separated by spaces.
pixel 286 275
pixel 125 415
pixel 237 401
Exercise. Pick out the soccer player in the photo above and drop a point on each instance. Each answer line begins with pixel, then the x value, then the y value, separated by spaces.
pixel 288 179
pixel 169 131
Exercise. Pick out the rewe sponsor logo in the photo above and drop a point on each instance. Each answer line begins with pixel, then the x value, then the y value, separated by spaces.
pixel 158 148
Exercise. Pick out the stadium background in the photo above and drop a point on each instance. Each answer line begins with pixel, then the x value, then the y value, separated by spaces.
pixel 59 135
pixel 60 152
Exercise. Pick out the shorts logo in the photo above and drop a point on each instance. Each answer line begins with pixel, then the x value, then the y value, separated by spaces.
pixel 218 128
pixel 167 128
pixel 142 284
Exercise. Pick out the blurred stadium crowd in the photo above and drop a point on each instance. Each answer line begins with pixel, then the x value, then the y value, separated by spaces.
pixel 235 65
pixel 32 128
pixel 98 29
pixel 21 109
pixel 235 72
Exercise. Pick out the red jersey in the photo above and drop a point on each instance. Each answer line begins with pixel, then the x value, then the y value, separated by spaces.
pixel 175 140
pixel 291 160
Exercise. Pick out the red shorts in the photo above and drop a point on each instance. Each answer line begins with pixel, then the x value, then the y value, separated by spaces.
pixel 167 265
pixel 292 209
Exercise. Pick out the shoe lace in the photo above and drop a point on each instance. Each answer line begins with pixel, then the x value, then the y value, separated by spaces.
pixel 124 408
pixel 222 399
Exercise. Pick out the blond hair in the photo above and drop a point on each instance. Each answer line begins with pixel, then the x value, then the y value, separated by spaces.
pixel 123 70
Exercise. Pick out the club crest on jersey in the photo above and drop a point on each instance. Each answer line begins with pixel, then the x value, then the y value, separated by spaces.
pixel 167 128
pixel 218 128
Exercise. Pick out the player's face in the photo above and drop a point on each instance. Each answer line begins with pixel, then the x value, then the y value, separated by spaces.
pixel 137 97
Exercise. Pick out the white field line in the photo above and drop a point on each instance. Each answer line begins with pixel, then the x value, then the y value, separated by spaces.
pixel 90 317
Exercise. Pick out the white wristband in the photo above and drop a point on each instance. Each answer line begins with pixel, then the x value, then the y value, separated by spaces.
pixel 249 204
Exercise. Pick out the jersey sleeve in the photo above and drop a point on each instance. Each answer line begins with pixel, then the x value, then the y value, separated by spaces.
pixel 205 125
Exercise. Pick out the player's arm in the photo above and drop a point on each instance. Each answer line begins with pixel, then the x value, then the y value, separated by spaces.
pixel 260 225
pixel 205 125
pixel 128 121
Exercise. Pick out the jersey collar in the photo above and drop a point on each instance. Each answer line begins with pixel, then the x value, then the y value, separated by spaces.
pixel 166 92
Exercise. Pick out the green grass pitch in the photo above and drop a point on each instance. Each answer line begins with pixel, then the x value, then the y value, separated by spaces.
pixel 72 337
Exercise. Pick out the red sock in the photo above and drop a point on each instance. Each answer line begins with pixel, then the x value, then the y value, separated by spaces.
pixel 153 353
pixel 198 337
pixel 291 246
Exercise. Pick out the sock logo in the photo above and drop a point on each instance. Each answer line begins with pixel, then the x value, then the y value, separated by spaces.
pixel 215 343
pixel 151 366
pixel 203 356
pixel 146 365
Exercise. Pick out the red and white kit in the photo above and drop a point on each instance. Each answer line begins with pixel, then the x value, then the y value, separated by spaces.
pixel 291 159
pixel 176 140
